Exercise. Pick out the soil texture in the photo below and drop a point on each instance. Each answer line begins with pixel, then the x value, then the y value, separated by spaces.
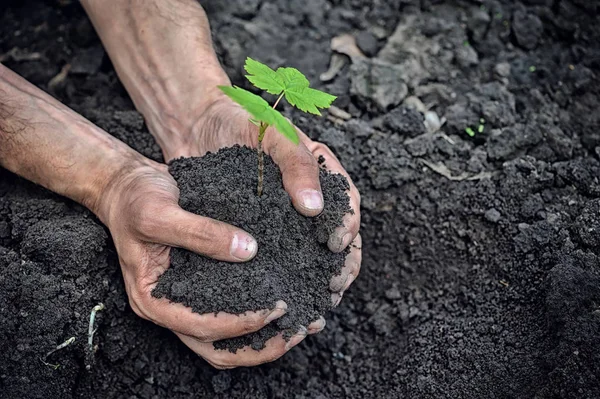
pixel 481 268
pixel 293 263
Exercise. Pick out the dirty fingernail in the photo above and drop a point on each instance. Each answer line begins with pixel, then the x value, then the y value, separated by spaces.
pixel 280 310
pixel 317 326
pixel 339 240
pixel 243 246
pixel 311 200
pixel 338 283
pixel 336 298
pixel 349 282
pixel 296 338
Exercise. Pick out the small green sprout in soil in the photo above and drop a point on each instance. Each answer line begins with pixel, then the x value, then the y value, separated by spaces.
pixel 532 69
pixel 59 347
pixel 91 332
pixel 284 82
pixel 480 129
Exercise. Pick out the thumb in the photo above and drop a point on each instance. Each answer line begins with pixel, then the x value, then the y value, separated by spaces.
pixel 206 236
pixel 299 171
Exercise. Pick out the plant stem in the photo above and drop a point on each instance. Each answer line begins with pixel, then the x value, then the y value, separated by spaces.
pixel 278 99
pixel 261 136
pixel 91 332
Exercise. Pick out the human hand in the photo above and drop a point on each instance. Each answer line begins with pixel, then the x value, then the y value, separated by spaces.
pixel 140 207
pixel 223 124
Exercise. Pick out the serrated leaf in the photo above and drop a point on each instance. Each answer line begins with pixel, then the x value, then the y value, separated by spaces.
pixel 263 77
pixel 292 78
pixel 260 110
pixel 298 93
pixel 309 100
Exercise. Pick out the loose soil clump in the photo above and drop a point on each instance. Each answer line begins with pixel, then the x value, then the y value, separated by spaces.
pixel 293 262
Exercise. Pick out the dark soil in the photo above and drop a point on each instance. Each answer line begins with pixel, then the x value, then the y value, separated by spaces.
pixel 480 276
pixel 293 263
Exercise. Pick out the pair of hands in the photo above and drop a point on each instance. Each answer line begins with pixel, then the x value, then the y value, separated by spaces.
pixel 141 210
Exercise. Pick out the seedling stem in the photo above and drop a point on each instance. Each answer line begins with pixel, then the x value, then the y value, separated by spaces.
pixel 284 82
pixel 91 332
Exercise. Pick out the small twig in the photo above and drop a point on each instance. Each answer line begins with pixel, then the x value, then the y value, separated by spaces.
pixel 443 170
pixel 59 347
pixel 60 77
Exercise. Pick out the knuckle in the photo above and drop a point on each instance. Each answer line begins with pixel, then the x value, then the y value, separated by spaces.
pixel 148 222
pixel 213 238
pixel 251 324
pixel 202 335
pixel 272 356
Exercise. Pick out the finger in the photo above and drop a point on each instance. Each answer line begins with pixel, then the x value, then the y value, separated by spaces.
pixel 204 236
pixel 316 326
pixel 244 357
pixel 351 267
pixel 299 171
pixel 342 236
pixel 336 298
pixel 205 327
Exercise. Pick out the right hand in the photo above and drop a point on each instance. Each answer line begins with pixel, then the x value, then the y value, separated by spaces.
pixel 142 213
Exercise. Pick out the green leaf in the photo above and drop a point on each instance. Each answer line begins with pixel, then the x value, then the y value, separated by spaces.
pixel 299 94
pixel 309 100
pixel 292 78
pixel 260 110
pixel 263 77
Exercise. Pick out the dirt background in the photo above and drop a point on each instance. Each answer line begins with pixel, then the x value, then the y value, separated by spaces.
pixel 481 275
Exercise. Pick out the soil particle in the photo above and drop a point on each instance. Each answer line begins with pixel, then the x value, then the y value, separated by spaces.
pixel 528 29
pixel 378 82
pixel 405 122
pixel 293 263
pixel 368 43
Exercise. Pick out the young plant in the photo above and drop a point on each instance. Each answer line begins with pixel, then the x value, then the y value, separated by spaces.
pixel 284 82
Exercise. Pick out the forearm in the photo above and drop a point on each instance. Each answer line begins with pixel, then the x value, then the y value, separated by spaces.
pixel 163 54
pixel 45 142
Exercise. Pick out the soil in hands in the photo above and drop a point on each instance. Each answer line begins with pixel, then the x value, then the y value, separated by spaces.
pixel 293 262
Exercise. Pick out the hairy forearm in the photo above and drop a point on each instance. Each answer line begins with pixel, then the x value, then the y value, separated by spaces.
pixel 45 142
pixel 163 54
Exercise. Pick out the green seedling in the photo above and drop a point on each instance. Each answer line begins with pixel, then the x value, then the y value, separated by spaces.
pixel 480 129
pixel 283 82
pixel 59 347
pixel 91 332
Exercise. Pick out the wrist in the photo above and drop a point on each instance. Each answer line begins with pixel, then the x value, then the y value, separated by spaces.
pixel 104 197
pixel 170 70
pixel 171 118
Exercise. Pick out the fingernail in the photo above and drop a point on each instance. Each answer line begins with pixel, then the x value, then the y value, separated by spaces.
pixel 280 310
pixel 321 325
pixel 349 281
pixel 296 338
pixel 243 246
pixel 339 240
pixel 311 199
pixel 338 283
pixel 336 298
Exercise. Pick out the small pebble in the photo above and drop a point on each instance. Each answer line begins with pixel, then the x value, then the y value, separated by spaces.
pixel 492 215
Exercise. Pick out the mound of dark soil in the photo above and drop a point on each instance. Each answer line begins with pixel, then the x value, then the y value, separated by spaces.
pixel 293 262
